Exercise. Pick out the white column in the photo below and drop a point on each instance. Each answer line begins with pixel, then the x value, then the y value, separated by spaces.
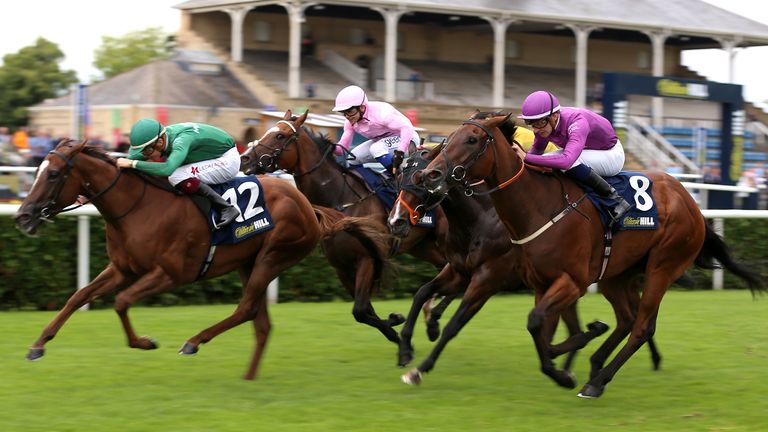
pixel 237 15
pixel 295 18
pixel 391 18
pixel 582 41
pixel 657 104
pixel 83 253
pixel 499 57
pixel 730 45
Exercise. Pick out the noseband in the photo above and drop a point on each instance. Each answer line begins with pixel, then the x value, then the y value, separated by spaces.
pixel 268 161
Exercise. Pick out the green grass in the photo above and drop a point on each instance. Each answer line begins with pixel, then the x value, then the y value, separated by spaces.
pixel 324 372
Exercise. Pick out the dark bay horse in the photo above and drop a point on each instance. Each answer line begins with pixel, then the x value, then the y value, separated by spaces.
pixel 157 241
pixel 563 250
pixel 481 262
pixel 291 147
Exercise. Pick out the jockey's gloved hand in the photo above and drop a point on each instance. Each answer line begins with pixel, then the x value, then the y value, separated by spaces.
pixel 397 160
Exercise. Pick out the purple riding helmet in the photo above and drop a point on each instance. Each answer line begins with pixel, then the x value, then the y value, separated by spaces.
pixel 539 104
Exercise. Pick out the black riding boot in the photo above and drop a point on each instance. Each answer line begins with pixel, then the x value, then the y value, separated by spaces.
pixel 605 190
pixel 227 211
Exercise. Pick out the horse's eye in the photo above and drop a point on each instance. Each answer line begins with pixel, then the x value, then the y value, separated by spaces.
pixel 280 136
pixel 472 140
pixel 53 175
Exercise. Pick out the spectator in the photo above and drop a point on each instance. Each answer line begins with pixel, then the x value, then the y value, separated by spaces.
pixel 21 141
pixel 39 146
pixel 308 45
pixel 123 144
pixel 711 175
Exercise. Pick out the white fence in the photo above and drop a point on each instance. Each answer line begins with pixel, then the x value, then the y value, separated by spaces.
pixel 85 212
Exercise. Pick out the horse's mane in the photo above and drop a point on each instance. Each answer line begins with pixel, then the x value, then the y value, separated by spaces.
pixel 89 149
pixel 325 144
pixel 507 127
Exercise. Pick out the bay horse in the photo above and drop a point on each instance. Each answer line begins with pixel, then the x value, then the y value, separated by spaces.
pixel 563 249
pixel 157 240
pixel 290 146
pixel 481 263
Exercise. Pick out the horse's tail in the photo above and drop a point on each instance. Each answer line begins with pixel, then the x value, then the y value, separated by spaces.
pixel 367 230
pixel 716 248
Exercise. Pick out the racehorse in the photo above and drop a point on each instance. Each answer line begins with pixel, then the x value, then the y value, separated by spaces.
pixel 562 241
pixel 289 146
pixel 480 260
pixel 157 240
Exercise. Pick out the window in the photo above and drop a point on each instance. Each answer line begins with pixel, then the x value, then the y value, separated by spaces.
pixel 512 49
pixel 644 60
pixel 262 31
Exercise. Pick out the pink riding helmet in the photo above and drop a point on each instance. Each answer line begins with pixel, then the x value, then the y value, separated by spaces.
pixel 348 97
pixel 539 104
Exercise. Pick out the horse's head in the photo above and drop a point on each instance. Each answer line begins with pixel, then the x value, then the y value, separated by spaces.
pixel 414 200
pixel 464 158
pixel 56 186
pixel 274 150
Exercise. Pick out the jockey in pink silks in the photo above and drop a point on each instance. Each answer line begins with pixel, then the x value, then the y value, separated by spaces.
pixel 389 132
pixel 588 145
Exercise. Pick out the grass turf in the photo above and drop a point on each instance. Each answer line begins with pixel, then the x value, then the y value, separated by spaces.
pixel 324 372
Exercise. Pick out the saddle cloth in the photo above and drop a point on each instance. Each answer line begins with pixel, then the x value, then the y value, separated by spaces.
pixel 636 188
pixel 387 194
pixel 254 215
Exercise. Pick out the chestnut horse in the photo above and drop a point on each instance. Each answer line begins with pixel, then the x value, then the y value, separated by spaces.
pixel 563 249
pixel 290 146
pixel 481 260
pixel 157 240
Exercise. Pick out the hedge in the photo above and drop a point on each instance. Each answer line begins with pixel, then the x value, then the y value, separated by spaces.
pixel 41 272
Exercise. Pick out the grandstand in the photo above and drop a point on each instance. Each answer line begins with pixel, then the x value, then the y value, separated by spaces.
pixel 442 59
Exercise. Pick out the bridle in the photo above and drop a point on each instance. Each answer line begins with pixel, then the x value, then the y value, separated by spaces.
pixel 459 172
pixel 49 211
pixel 416 213
pixel 269 161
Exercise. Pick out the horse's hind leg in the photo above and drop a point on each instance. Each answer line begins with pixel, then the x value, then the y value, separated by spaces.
pixel 362 308
pixel 634 298
pixel 107 281
pixel 577 338
pixel 262 327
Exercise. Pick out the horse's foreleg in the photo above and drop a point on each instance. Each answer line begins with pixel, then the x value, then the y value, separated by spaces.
pixel 445 278
pixel 474 299
pixel 107 281
pixel 155 282
pixel 561 294
pixel 435 313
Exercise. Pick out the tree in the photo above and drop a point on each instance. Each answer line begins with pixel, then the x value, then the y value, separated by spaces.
pixel 30 76
pixel 120 54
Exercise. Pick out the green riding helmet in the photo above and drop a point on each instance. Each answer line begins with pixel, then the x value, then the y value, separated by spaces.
pixel 143 133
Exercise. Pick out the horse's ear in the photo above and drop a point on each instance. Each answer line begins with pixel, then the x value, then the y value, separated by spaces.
pixel 80 145
pixel 288 115
pixel 300 120
pixel 435 151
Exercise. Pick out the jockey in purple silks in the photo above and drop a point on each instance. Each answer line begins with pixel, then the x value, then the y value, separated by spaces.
pixel 588 145
pixel 389 132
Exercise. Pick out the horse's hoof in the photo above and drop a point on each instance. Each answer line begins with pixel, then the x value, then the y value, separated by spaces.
pixel 395 319
pixel 404 359
pixel 567 380
pixel 590 391
pixel 35 354
pixel 149 343
pixel 412 378
pixel 597 327
pixel 433 330
pixel 188 349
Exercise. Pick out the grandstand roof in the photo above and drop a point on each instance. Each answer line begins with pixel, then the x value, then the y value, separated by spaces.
pixel 166 82
pixel 679 17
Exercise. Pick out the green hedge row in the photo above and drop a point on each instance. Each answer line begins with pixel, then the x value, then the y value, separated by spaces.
pixel 41 272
